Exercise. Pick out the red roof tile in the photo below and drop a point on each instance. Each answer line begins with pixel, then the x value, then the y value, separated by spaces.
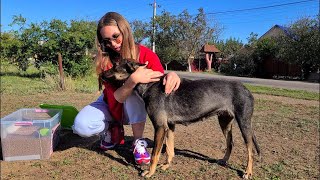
pixel 209 48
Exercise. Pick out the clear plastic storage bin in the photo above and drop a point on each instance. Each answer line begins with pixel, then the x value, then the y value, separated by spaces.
pixel 30 134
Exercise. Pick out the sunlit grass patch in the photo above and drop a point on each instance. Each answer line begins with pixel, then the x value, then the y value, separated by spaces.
pixel 298 94
pixel 23 85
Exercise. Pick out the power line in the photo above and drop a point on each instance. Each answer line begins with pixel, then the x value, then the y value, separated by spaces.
pixel 249 16
pixel 248 11
pixel 255 8
pixel 258 8
pixel 300 9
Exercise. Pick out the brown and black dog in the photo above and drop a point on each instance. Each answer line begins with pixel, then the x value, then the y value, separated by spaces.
pixel 193 101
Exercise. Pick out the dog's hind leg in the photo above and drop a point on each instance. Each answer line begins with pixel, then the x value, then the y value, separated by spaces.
pixel 225 122
pixel 248 138
pixel 243 118
pixel 160 133
pixel 169 147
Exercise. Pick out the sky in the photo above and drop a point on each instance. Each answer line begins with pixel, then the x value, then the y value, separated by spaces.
pixel 237 18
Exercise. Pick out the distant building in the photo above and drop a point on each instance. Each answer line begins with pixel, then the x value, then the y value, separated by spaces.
pixel 209 48
pixel 275 68
pixel 210 51
pixel 277 31
pixel 198 62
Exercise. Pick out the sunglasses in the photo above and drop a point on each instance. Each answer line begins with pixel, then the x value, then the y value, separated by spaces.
pixel 108 41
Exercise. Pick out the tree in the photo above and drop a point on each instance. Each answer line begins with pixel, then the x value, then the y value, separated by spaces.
pixel 9 46
pixel 252 39
pixel 41 43
pixel 266 48
pixel 241 63
pixel 166 38
pixel 302 46
pixel 229 47
pixel 192 32
pixel 181 37
pixel 74 47
pixel 141 30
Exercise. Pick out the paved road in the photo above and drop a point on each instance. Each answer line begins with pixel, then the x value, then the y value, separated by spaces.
pixel 297 85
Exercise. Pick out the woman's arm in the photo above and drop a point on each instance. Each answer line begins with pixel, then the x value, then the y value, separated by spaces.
pixel 171 81
pixel 141 75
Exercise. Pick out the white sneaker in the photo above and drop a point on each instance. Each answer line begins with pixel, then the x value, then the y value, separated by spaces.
pixel 140 153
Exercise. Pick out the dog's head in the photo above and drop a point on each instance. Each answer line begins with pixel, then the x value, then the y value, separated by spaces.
pixel 120 72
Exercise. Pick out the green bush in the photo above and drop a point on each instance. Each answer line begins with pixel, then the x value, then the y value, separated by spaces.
pixel 47 68
pixel 39 43
pixel 80 68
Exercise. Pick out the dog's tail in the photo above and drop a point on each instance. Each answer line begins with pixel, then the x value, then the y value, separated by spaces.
pixel 256 144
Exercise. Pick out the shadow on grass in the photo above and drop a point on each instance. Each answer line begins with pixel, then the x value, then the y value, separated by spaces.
pixel 68 140
pixel 22 74
pixel 199 156
pixel 123 153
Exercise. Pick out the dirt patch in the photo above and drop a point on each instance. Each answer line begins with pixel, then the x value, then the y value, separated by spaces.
pixel 286 129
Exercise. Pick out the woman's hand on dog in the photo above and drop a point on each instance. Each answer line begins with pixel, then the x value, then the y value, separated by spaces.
pixel 171 82
pixel 145 75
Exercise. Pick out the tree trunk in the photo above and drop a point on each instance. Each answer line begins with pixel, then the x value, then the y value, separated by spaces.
pixel 209 60
pixel 61 84
pixel 190 61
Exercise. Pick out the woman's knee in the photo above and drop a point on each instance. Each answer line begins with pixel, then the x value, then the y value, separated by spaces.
pixel 88 130
pixel 89 121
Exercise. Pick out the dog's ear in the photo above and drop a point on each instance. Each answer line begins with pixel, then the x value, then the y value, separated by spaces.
pixel 132 66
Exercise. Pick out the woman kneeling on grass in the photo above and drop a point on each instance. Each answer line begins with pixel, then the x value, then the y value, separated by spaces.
pixel 116 42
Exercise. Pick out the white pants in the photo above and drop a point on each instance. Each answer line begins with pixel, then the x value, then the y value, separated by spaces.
pixel 93 118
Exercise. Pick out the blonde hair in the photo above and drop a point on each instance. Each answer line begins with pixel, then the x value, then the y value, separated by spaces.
pixel 129 50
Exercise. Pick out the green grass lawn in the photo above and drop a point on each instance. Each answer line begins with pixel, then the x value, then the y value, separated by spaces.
pixel 287 132
pixel 298 94
pixel 29 82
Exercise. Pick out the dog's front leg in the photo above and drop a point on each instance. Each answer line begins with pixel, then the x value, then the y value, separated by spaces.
pixel 158 143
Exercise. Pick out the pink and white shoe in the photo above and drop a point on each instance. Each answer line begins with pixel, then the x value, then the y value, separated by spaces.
pixel 140 153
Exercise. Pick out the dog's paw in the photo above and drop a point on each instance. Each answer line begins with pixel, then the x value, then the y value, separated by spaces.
pixel 246 176
pixel 164 166
pixel 146 174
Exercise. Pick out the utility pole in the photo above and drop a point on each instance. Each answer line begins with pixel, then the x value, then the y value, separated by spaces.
pixel 154 26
